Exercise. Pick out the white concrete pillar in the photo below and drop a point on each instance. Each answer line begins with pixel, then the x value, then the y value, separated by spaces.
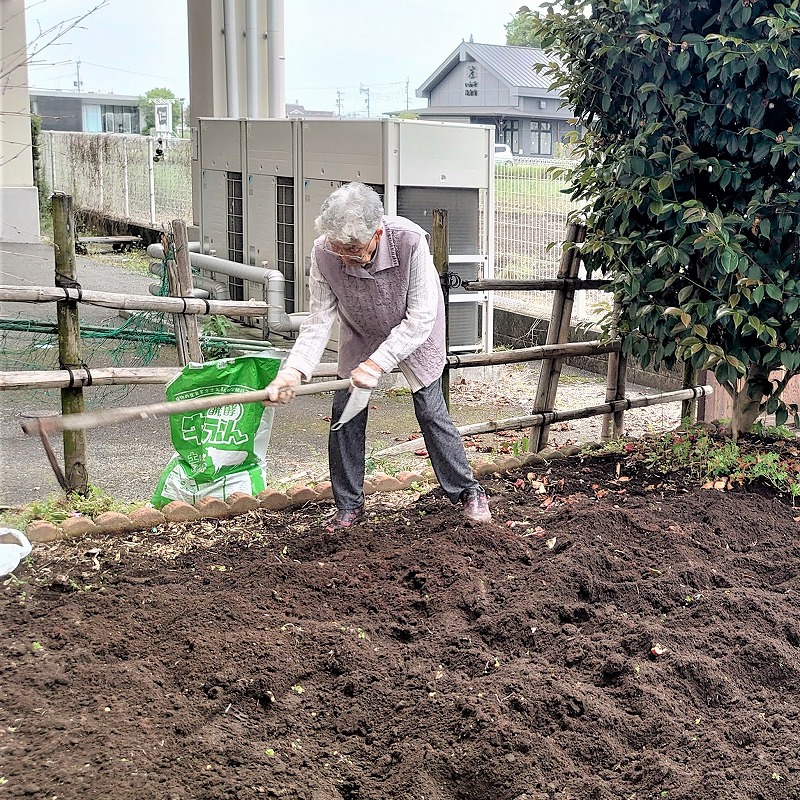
pixel 19 198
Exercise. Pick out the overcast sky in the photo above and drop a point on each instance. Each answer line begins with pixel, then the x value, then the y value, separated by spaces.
pixel 131 46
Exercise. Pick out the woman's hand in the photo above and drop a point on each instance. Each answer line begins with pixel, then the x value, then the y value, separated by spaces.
pixel 366 375
pixel 281 390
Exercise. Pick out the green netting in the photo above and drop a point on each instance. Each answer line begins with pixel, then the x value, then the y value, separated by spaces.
pixel 31 344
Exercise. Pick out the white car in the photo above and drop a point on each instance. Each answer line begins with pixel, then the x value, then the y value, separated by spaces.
pixel 503 154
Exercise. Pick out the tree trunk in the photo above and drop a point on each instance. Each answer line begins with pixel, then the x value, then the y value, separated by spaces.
pixel 746 408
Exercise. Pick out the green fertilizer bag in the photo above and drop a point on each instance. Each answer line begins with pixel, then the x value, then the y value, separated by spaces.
pixel 219 451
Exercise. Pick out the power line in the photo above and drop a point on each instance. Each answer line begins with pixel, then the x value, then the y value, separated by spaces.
pixel 130 72
pixel 332 88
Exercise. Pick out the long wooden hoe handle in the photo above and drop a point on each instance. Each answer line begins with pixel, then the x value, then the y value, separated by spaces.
pixel 111 416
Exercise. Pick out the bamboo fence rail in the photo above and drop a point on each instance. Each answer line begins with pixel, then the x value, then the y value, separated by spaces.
pixel 169 305
pixel 120 376
pixel 540 285
pixel 550 417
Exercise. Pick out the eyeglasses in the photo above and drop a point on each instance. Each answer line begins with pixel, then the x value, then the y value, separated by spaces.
pixel 353 254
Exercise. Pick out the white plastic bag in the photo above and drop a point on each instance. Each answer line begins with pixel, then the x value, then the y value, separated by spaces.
pixel 356 403
pixel 14 546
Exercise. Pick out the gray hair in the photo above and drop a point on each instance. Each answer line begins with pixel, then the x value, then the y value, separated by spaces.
pixel 352 213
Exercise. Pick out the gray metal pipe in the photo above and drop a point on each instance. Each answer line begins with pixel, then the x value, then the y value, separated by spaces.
pixel 203 294
pixel 233 268
pixel 272 280
pixel 217 290
pixel 276 60
pixel 251 53
pixel 203 287
pixel 231 57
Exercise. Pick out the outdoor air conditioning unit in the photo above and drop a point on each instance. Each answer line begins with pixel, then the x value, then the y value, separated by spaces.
pixel 264 180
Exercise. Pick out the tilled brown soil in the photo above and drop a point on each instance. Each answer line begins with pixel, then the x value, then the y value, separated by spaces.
pixel 612 635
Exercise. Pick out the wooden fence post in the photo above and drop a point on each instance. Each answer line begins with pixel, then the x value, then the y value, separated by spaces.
pixel 616 380
pixel 557 333
pixel 187 334
pixel 69 342
pixel 441 258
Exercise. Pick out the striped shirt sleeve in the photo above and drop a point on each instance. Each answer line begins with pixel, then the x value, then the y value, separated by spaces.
pixel 315 329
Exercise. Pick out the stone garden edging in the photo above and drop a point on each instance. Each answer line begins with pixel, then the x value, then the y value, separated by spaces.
pixel 147 518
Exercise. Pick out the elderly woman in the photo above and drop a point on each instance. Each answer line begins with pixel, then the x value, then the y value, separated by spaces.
pixel 377 274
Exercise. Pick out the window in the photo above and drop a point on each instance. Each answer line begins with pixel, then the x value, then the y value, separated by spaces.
pixel 92 119
pixel 509 134
pixel 541 138
pixel 118 119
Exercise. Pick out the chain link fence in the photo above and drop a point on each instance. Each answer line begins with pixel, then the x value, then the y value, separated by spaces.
pixel 531 207
pixel 115 176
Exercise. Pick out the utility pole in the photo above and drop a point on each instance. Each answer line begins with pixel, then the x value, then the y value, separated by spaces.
pixel 407 82
pixel 339 96
pixel 78 83
pixel 365 90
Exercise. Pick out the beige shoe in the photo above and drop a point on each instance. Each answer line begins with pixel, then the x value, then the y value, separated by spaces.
pixel 475 506
pixel 345 518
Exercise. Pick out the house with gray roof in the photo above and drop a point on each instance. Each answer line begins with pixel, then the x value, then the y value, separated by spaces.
pixel 497 85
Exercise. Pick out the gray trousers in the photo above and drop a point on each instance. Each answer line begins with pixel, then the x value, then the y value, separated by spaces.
pixel 346 448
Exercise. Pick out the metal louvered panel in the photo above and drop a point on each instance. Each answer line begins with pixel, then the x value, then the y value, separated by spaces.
pixel 462 205
pixel 464 326
pixel 417 204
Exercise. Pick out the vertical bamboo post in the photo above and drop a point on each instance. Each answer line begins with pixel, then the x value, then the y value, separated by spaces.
pixel 611 384
pixel 622 376
pixel 178 320
pixel 441 259
pixel 612 378
pixel 185 286
pixel 69 341
pixel 557 333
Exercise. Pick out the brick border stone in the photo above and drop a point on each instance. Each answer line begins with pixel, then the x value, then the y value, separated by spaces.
pixel 147 518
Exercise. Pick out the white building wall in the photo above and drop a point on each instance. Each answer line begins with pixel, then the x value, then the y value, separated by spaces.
pixel 19 200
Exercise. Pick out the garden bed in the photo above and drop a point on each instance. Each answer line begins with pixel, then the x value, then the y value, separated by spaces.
pixel 615 632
